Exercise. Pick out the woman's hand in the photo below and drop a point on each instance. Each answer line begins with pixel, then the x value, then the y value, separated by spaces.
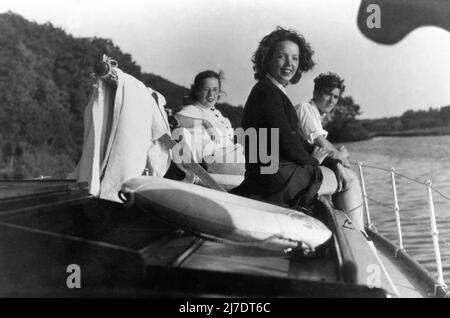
pixel 320 154
pixel 343 177
pixel 344 160
pixel 344 156
pixel 344 152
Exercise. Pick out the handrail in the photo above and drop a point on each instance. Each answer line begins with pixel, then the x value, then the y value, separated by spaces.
pixel 440 283
pixel 403 176
pixel 397 209
pixel 364 193
pixel 435 236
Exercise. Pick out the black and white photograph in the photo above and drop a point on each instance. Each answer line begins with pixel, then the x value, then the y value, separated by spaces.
pixel 205 150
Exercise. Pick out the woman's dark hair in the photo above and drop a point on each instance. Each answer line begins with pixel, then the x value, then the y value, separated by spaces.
pixel 326 82
pixel 267 46
pixel 198 80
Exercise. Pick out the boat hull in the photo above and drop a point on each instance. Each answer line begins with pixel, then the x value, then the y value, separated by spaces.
pixel 128 252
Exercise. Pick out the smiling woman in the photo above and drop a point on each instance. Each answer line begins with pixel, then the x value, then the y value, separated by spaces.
pixel 212 133
pixel 281 58
pixel 284 62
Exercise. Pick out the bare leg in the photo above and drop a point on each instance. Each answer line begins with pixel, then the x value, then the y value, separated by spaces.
pixel 349 201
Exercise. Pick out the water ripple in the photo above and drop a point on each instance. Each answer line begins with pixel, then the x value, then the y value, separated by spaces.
pixel 420 158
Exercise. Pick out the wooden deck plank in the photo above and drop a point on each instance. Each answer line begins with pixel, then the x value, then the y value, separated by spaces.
pixel 252 260
pixel 246 260
pixel 21 188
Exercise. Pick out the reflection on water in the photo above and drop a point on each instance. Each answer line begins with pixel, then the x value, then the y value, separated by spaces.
pixel 421 158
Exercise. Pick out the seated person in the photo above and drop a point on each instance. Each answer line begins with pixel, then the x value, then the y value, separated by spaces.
pixel 212 133
pixel 301 172
pixel 328 88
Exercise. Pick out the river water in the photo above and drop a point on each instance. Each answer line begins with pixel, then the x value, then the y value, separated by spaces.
pixel 420 158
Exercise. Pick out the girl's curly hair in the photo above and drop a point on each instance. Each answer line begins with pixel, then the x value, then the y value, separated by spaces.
pixel 327 82
pixel 266 48
pixel 198 80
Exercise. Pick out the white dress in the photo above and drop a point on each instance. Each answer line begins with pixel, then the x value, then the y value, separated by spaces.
pixel 213 137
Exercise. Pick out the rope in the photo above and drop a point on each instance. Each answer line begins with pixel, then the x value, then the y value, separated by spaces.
pixel 406 177
pixel 440 193
pixel 389 209
pixel 440 279
pixel 369 166
pixel 380 203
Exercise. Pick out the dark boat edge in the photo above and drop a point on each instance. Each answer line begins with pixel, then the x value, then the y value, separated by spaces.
pixel 142 277
pixel 415 268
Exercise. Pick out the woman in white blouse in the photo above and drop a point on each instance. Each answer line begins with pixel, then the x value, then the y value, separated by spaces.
pixel 212 133
pixel 328 88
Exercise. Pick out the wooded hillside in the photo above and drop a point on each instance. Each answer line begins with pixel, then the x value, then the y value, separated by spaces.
pixel 44 87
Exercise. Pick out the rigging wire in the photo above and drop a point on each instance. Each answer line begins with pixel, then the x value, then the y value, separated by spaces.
pixel 441 239
pixel 404 176
pixel 389 210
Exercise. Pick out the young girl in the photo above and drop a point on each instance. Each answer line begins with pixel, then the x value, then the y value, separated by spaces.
pixel 328 88
pixel 211 132
pixel 280 60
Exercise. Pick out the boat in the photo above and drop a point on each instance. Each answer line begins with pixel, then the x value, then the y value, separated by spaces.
pixel 49 226
pixel 58 239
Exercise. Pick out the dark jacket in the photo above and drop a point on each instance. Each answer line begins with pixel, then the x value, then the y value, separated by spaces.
pixel 268 107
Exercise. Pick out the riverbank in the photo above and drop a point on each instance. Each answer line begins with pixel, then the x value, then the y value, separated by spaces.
pixel 435 131
pixel 351 133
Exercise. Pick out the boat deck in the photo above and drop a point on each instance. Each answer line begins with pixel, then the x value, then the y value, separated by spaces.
pixel 410 278
pixel 252 260
pixel 403 280
pixel 46 226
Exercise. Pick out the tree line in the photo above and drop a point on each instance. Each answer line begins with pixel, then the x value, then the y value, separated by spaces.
pixel 345 127
pixel 45 85
pixel 434 121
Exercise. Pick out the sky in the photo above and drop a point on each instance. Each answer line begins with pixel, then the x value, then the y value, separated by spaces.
pixel 179 38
